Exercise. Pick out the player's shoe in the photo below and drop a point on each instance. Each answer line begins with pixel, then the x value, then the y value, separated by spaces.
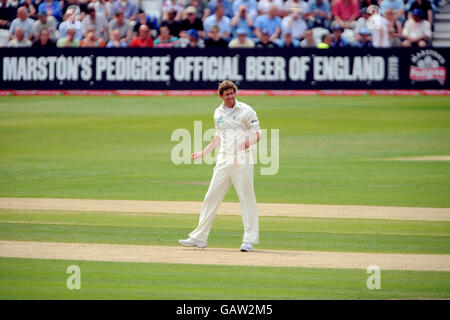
pixel 246 247
pixel 191 242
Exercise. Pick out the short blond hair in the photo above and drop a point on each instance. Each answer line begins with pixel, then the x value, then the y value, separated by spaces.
pixel 226 85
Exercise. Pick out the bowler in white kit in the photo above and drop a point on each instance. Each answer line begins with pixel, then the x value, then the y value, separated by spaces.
pixel 237 129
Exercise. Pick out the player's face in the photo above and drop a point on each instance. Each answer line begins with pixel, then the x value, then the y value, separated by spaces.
pixel 229 97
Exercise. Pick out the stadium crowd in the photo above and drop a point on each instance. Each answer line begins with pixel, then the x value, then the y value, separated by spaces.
pixel 217 23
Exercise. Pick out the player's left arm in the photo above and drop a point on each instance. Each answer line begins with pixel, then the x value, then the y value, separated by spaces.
pixel 252 124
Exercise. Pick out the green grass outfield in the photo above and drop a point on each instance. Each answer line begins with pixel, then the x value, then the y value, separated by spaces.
pixel 332 151
pixel 330 148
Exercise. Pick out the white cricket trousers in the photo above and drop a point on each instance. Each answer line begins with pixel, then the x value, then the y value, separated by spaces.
pixel 241 176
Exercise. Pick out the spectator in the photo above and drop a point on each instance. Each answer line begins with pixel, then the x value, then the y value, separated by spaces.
pixel 45 22
pixel 367 3
pixel 80 7
pixel 202 8
pixel 173 5
pixel 287 41
pixel 71 20
pixel 7 14
pixel 91 40
pixel 69 40
pixel 227 4
pixel 265 40
pixel 326 41
pixel 363 39
pixel 215 40
pixel 143 19
pixel 104 7
pixel 417 31
pixel 23 22
pixel 19 41
pixel 144 40
pixel 264 6
pixel 52 8
pixel 337 40
pixel 218 19
pixel 95 20
pixel 318 14
pixel 30 8
pixel 193 40
pixel 308 40
pixel 425 7
pixel 394 28
pixel 116 40
pixel 119 23
pixel 242 41
pixel 361 23
pixel 293 24
pixel 271 22
pixel 165 39
pixel 379 27
pixel 300 3
pixel 345 12
pixel 43 40
pixel 242 21
pixel 191 22
pixel 397 6
pixel 252 7
pixel 128 8
pixel 174 25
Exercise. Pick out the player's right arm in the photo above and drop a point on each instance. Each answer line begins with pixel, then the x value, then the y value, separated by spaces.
pixel 215 142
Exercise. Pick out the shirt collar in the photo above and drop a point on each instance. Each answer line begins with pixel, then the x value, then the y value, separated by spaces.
pixel 236 105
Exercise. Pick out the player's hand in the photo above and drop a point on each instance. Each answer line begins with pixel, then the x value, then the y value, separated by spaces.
pixel 197 155
pixel 244 146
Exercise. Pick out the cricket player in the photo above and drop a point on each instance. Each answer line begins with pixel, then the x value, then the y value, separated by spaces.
pixel 237 129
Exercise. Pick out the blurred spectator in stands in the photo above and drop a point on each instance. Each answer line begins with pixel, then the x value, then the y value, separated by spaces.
pixel 119 23
pixel 218 19
pixel 52 8
pixel 45 22
pixel 252 7
pixel 367 3
pixel 379 27
pixel 91 40
pixel 242 40
pixel 345 12
pixel 227 4
pixel 271 22
pixel 31 9
pixel 337 40
pixel 242 21
pixel 394 28
pixel 293 23
pixel 361 23
pixel 364 40
pixel 192 40
pixel 265 40
pixel 7 14
pixel 397 6
pixel 308 40
pixel 264 6
pixel 176 5
pixel 80 7
pixel 174 25
pixel 215 39
pixel 116 40
pixel 95 20
pixel 43 40
pixel 128 8
pixel 191 22
pixel 69 40
pixel 299 3
pixel 417 31
pixel 22 21
pixel 326 41
pixel 143 19
pixel 424 6
pixel 318 14
pixel 165 39
pixel 71 20
pixel 104 7
pixel 19 40
pixel 287 41
pixel 202 8
pixel 144 40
